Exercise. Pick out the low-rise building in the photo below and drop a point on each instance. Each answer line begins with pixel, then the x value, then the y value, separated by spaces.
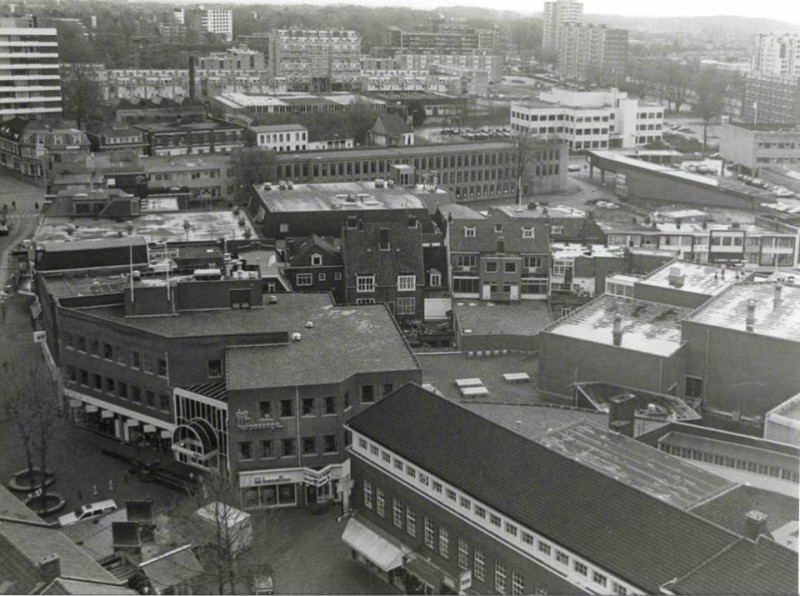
pixel 782 423
pixel 280 137
pixel 236 59
pixel 37 148
pixel 116 136
pixel 390 130
pixel 315 265
pixel 755 146
pixel 191 138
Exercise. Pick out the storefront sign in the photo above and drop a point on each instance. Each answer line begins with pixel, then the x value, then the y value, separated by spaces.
pixel 318 479
pixel 465 581
pixel 448 581
pixel 245 422
pixel 273 480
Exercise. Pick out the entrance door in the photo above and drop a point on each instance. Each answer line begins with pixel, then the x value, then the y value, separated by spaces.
pixel 311 494
pixel 514 292
pixel 487 292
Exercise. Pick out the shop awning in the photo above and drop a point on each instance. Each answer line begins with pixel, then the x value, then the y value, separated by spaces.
pixel 132 422
pixel 372 545
pixel 91 409
pixel 166 434
pixel 75 403
pixel 424 570
pixel 149 428
pixel 106 414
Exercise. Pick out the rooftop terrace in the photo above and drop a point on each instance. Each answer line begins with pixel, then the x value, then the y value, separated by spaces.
pixel 646 326
pixel 729 310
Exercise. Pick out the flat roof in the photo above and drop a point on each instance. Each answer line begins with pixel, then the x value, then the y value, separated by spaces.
pixel 343 341
pixel 339 196
pixel 646 326
pixel 288 314
pixel 570 250
pixel 790 408
pixel 442 369
pixel 668 407
pixel 649 470
pixel 691 277
pixel 277 127
pixel 646 165
pixel 155 227
pixel 397 152
pixel 481 318
pixel 729 310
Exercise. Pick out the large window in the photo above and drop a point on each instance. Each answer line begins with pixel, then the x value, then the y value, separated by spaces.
pixel 444 542
pixel 365 283
pixel 517 584
pixel 380 502
pixel 367 393
pixel 466 285
pixel 411 522
pixel 429 534
pixel 406 283
pixel 463 554
pixel 479 565
pixel 469 231
pixel 214 368
pixel 397 513
pixel 500 577
pixel 304 279
pixel 406 306
pixel 467 262
pixel 309 445
pixel 367 494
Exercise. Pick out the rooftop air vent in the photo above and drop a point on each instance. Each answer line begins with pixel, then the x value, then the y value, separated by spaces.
pixel 296 336
pixel 310 325
pixel 380 183
pixel 272 299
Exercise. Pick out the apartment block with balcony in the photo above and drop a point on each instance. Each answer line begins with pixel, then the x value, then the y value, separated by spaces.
pixel 30 83
pixel 557 14
pixel 589 50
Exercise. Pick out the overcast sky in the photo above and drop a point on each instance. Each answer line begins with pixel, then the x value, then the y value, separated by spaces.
pixel 782 10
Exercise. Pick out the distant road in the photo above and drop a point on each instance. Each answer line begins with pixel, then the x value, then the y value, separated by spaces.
pixel 24 219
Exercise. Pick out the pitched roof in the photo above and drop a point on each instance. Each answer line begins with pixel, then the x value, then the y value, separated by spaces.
pixel 746 567
pixel 391 125
pixel 69 586
pixel 36 542
pixel 312 244
pixel 172 569
pixel 623 530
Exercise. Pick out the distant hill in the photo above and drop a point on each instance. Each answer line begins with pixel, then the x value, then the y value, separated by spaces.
pixel 720 24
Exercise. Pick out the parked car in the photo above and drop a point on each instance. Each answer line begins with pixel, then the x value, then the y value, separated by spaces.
pixel 574 167
pixel 5 227
pixel 263 582
pixel 88 512
pixel 783 192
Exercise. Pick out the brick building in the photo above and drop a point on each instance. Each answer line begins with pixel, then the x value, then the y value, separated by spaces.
pixel 315 265
pixel 216 382
pixel 191 138
pixel 504 255
pixel 428 522
pixel 383 263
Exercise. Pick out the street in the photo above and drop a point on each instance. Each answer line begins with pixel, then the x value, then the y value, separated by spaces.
pixel 23 219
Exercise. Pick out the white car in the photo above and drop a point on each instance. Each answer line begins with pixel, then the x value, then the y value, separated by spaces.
pixel 783 192
pixel 88 512
pixel 573 167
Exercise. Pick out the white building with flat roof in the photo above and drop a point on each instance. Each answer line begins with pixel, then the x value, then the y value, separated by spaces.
pixel 590 119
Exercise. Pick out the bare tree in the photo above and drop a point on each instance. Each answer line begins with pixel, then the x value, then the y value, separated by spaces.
pixel 527 149
pixel 83 95
pixel 251 165
pixel 234 545
pixel 32 401
pixel 710 88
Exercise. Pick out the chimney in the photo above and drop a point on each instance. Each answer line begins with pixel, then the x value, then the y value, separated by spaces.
pixel 621 414
pixel 617 332
pixel 675 279
pixel 751 315
pixel 50 568
pixel 755 524
pixel 778 290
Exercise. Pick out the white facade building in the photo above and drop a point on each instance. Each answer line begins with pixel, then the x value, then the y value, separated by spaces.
pixel 30 83
pixel 283 138
pixel 590 119
pixel 557 14
pixel 777 55
pixel 218 21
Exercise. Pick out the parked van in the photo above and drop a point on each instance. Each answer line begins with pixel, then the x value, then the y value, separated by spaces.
pixel 88 512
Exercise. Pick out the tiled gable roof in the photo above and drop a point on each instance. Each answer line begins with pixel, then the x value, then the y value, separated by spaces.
pixel 630 534
pixel 391 125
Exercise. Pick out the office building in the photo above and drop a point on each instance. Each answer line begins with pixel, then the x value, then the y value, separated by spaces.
pixel 770 99
pixel 30 84
pixel 238 59
pixel 755 146
pixel 315 60
pixel 590 119
pixel 557 14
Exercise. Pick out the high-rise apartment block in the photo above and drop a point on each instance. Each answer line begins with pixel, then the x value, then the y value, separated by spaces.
pixel 556 14
pixel 315 60
pixel 588 50
pixel 213 20
pixel 777 54
pixel 30 84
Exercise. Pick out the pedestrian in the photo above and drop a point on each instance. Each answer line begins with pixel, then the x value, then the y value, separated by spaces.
pixel 36 206
pixel 14 205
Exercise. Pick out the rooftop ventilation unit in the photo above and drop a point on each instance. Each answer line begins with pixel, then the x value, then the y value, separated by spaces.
pixel 380 183
pixel 310 325
pixel 296 336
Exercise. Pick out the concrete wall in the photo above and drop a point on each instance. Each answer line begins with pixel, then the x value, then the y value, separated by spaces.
pixel 673 296
pixel 743 372
pixel 475 343
pixel 565 360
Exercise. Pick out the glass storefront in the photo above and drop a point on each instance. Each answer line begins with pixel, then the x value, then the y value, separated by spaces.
pixel 270 495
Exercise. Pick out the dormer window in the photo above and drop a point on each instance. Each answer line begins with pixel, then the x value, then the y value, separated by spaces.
pixel 527 233
pixel 469 232
pixel 498 228
pixel 316 259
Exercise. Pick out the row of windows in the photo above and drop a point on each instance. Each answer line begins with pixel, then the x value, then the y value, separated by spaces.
pixel 470 262
pixel 405 283
pixel 490 520
pixel 120 389
pixel 559 117
pixel 307 279
pixel 730 462
pixel 133 358
pixel 441 540
pixel 313 406
pixel 267 447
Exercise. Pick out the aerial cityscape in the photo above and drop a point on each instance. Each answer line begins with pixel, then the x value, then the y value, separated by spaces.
pixel 399 298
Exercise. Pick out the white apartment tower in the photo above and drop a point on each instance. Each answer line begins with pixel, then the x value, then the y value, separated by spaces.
pixel 219 21
pixel 30 83
pixel 557 14
pixel 777 55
